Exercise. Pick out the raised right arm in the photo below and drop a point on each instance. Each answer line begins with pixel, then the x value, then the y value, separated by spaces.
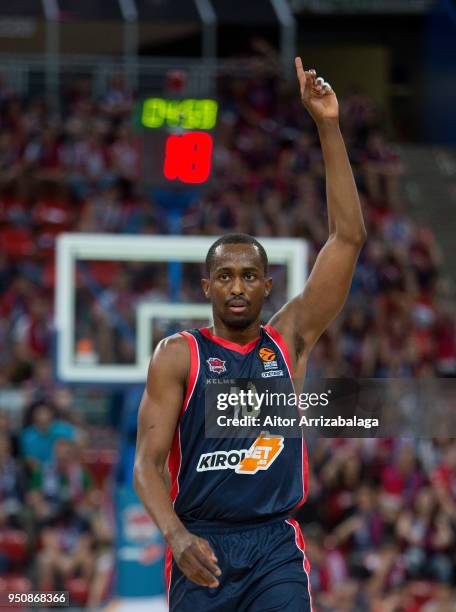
pixel 158 417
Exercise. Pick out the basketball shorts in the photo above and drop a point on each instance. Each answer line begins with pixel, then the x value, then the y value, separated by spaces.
pixel 264 569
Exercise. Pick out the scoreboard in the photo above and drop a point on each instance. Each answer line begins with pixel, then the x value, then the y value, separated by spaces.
pixel 177 138
pixel 189 114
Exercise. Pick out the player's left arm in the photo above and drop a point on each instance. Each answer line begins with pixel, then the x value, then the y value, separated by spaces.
pixel 304 318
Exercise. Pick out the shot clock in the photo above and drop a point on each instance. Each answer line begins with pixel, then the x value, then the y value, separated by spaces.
pixel 177 139
pixel 189 114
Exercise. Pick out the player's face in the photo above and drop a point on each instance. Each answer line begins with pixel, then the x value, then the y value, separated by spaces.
pixel 237 286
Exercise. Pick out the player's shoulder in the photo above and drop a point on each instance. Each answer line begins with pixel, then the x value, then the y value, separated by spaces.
pixel 171 358
pixel 175 344
pixel 173 349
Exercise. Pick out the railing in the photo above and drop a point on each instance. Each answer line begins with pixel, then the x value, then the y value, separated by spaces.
pixel 364 6
pixel 34 74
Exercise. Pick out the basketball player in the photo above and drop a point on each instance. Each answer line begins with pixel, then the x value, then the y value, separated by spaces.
pixel 232 543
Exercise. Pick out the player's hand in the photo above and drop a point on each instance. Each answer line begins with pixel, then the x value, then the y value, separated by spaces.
pixel 195 559
pixel 316 94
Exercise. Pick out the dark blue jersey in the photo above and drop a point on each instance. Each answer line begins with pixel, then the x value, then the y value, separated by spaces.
pixel 233 480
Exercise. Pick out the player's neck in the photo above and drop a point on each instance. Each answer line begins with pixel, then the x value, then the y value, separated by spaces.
pixel 239 336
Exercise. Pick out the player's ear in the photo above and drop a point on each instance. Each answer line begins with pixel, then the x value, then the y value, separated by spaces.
pixel 205 286
pixel 267 286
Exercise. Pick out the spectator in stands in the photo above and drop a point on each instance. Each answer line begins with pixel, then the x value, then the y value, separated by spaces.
pixel 124 154
pixel 428 537
pixel 118 101
pixel 65 550
pixel 401 478
pixel 61 482
pixel 73 547
pixel 382 167
pixel 329 567
pixel 39 436
pixel 443 480
pixel 7 430
pixel 11 486
pixel 33 330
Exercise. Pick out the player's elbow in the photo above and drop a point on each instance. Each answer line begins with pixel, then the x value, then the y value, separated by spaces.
pixel 355 236
pixel 137 478
pixel 146 469
pixel 360 236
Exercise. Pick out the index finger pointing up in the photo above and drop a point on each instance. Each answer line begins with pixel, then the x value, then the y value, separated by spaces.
pixel 300 72
pixel 299 67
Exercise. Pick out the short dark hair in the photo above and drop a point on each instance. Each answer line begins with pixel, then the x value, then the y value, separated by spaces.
pixel 236 239
pixel 31 409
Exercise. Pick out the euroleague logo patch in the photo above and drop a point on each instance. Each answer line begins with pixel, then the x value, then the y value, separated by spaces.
pixel 216 365
pixel 268 357
pixel 266 354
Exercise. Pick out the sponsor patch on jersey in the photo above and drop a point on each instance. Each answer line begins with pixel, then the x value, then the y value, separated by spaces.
pixel 270 365
pixel 216 365
pixel 259 456
pixel 268 357
pixel 221 460
pixel 272 373
pixel 266 354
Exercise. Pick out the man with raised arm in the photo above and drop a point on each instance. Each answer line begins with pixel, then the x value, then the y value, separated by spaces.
pixel 232 542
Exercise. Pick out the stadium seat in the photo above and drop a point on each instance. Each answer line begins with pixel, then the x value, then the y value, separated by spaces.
pixel 13 545
pixel 52 212
pixel 100 464
pixel 78 590
pixel 16 242
pixel 104 272
pixel 48 275
pixel 18 583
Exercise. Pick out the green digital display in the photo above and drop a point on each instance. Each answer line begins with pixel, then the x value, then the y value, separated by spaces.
pixel 189 114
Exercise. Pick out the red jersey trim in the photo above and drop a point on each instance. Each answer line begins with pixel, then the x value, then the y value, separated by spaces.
pixel 175 454
pixel 276 336
pixel 232 346
pixel 194 367
pixel 168 566
pixel 174 463
pixel 299 541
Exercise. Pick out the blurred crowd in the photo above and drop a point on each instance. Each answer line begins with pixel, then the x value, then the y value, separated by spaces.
pixel 380 525
pixel 380 522
pixel 56 516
